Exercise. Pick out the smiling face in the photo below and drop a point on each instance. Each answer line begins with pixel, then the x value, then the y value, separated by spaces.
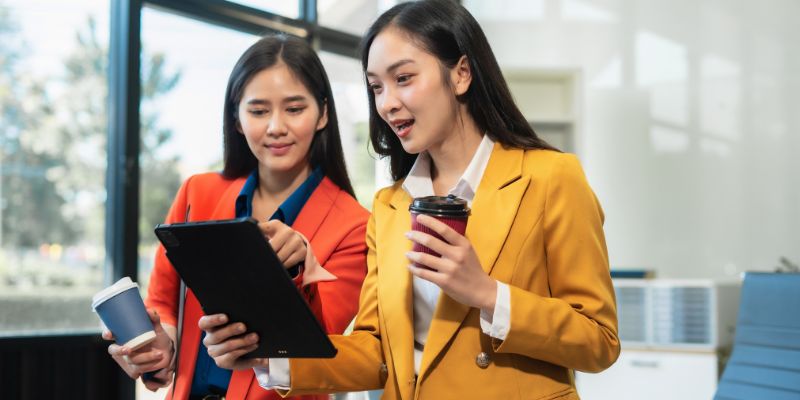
pixel 411 94
pixel 279 117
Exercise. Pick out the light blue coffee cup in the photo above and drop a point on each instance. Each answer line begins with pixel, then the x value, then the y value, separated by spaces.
pixel 121 309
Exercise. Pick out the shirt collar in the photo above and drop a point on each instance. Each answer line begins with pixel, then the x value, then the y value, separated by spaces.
pixel 288 211
pixel 291 207
pixel 244 202
pixel 418 182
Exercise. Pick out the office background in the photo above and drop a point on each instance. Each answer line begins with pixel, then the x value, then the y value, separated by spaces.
pixel 683 113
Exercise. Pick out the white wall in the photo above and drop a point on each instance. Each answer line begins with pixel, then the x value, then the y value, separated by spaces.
pixel 690 128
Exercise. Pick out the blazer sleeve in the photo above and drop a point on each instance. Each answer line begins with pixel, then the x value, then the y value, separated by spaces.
pixel 577 326
pixel 357 365
pixel 162 292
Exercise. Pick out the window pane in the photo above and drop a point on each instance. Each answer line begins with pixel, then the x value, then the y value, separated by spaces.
pixel 53 93
pixel 350 96
pixel 286 8
pixel 185 68
pixel 353 16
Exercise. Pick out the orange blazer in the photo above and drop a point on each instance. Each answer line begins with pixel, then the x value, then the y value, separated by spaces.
pixel 535 225
pixel 332 221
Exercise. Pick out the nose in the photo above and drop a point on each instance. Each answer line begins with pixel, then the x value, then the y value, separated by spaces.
pixel 387 102
pixel 276 126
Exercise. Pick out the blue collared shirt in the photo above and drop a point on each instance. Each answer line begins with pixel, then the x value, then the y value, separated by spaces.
pixel 208 378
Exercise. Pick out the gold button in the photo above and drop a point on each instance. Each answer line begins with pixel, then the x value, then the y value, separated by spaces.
pixel 482 359
pixel 384 369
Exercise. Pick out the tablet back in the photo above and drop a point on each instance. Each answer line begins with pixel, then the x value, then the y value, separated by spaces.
pixel 231 268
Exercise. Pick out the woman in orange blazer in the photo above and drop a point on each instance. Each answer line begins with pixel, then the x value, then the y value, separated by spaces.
pixel 283 166
pixel 512 307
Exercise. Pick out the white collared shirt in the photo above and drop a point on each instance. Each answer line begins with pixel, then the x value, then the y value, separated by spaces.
pixel 418 183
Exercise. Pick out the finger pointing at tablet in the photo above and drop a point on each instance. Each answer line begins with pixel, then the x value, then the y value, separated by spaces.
pixel 287 243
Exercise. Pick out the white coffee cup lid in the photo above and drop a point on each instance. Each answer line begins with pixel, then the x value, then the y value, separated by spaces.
pixel 113 290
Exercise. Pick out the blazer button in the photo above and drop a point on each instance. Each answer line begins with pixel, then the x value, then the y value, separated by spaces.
pixel 384 369
pixel 483 359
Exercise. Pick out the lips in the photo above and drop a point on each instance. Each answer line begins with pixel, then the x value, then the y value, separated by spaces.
pixel 402 127
pixel 279 149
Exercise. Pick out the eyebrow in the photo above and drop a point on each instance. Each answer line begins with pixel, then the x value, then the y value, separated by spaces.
pixel 295 98
pixel 286 100
pixel 394 66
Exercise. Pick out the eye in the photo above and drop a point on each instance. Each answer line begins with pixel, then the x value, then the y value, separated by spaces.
pixel 374 87
pixel 295 109
pixel 258 112
pixel 403 78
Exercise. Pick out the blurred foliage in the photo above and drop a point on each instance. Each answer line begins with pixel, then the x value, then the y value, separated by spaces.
pixel 53 137
pixel 26 111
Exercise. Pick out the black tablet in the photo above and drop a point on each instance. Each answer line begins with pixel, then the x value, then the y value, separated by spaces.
pixel 232 269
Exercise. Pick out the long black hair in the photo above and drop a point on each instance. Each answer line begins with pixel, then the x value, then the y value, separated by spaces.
pixel 448 31
pixel 326 147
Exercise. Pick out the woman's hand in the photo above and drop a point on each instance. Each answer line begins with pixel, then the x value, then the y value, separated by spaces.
pixel 154 356
pixel 288 244
pixel 227 343
pixel 458 271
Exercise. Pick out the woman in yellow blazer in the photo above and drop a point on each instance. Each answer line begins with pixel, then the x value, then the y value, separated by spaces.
pixel 519 301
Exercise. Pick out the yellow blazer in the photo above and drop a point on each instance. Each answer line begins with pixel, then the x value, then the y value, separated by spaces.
pixel 535 225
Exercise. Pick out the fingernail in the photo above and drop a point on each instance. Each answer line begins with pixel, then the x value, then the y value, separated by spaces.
pixel 240 328
pixel 411 255
pixel 409 234
pixel 223 318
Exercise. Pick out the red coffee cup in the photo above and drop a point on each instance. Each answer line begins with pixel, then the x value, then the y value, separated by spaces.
pixel 451 210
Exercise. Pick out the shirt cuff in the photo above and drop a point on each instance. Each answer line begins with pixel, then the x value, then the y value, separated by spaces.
pixel 275 376
pixel 498 324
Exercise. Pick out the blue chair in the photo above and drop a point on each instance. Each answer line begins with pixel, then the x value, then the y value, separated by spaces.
pixel 765 363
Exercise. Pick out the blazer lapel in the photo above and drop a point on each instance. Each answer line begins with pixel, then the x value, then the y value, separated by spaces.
pixel 496 202
pixel 394 282
pixel 315 210
pixel 224 204
pixel 493 211
pixel 240 383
